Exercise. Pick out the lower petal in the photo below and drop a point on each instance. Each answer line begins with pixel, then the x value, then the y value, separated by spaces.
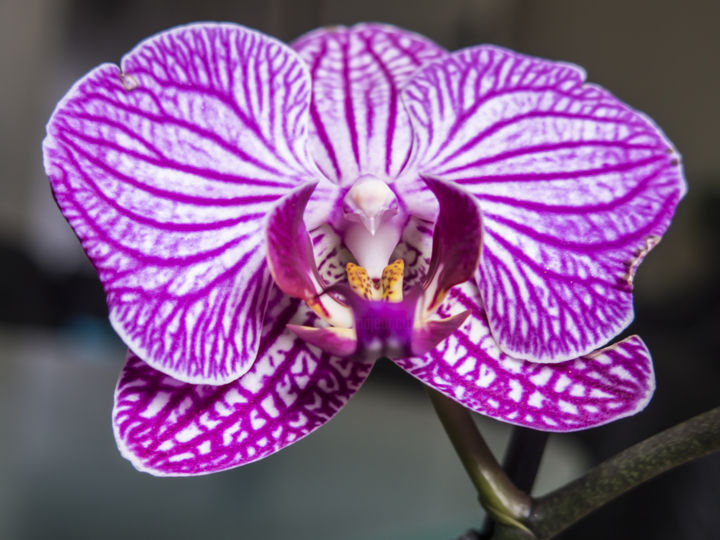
pixel 170 428
pixel 598 388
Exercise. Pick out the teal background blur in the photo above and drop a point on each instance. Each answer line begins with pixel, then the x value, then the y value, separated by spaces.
pixel 383 468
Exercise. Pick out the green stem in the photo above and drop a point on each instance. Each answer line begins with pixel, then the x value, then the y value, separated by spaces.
pixel 520 517
pixel 521 462
pixel 692 439
pixel 502 500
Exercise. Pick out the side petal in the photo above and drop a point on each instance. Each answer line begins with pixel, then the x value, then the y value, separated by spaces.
pixel 457 241
pixel 575 188
pixel 290 254
pixel 166 169
pixel 357 123
pixel 169 428
pixel 601 387
pixel 292 261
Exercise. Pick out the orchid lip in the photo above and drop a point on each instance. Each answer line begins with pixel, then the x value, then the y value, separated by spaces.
pixel 402 325
pixel 382 329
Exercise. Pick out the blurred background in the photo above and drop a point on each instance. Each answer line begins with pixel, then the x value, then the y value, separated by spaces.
pixel 382 469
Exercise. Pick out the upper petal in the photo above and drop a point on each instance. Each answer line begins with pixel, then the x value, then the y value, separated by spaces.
pixel 357 123
pixel 468 366
pixel 575 188
pixel 165 170
pixel 169 428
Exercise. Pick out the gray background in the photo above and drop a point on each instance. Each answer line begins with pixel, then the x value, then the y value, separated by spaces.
pixel 382 469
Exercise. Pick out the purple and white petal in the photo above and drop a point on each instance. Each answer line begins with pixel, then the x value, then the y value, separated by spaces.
pixel 170 428
pixel 166 168
pixel 575 188
pixel 598 388
pixel 358 125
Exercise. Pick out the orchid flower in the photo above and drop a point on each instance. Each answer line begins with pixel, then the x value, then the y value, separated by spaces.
pixel 268 220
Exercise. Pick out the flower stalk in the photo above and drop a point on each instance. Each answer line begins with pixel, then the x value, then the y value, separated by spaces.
pixel 503 501
pixel 695 438
pixel 521 463
pixel 545 517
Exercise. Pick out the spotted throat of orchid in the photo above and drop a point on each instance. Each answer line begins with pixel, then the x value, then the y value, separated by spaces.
pixel 267 220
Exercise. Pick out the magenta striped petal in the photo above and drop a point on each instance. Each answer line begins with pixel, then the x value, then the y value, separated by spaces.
pixel 358 124
pixel 575 189
pixel 166 168
pixel 169 428
pixel 598 388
